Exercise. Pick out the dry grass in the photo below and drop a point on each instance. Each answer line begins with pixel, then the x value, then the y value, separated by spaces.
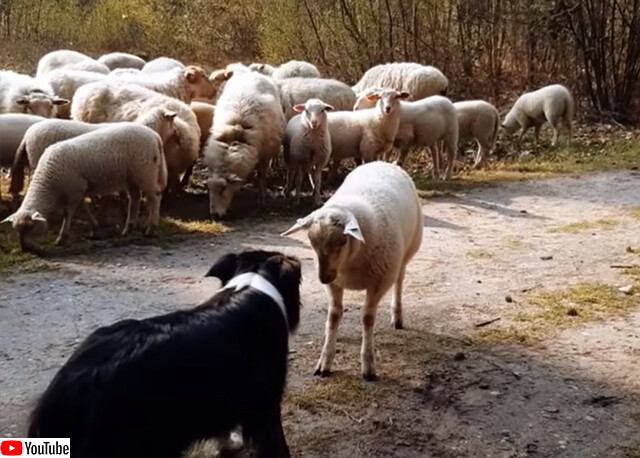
pixel 633 212
pixel 581 226
pixel 479 254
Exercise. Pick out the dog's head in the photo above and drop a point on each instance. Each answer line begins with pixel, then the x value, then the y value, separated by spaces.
pixel 283 272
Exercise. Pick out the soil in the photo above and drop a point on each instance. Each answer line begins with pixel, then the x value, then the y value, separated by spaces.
pixel 444 390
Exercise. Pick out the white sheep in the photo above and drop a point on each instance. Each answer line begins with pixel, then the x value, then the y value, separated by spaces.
pixel 205 113
pixel 109 101
pixel 65 83
pixel 37 139
pixel 23 94
pixel 218 78
pixel 246 135
pixel 367 134
pixel 307 147
pixel 109 160
pixel 479 120
pixel 553 104
pixel 119 72
pixel 161 64
pixel 419 80
pixel 117 60
pixel 363 237
pixel 431 122
pixel 183 84
pixel 73 60
pixel 296 91
pixel 291 69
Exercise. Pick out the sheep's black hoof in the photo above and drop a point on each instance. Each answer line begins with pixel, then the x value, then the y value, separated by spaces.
pixel 398 325
pixel 369 376
pixel 322 373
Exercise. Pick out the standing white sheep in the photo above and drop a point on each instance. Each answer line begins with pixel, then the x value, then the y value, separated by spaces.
pixel 296 91
pixel 553 104
pixel 363 237
pixel 480 120
pixel 116 60
pixel 73 60
pixel 307 147
pixel 291 69
pixel 246 135
pixel 161 64
pixel 109 160
pixel 23 94
pixel 419 80
pixel 65 83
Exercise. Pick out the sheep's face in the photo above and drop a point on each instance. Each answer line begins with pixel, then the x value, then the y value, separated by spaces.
pixel 221 192
pixel 510 123
pixel 28 224
pixel 313 113
pixel 199 84
pixel 363 101
pixel 388 100
pixel 40 104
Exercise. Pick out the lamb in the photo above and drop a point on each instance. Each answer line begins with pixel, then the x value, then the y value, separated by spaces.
pixel 307 147
pixel 161 64
pixel 419 80
pixel 480 120
pixel 246 135
pixel 363 237
pixel 110 160
pixel 23 94
pixel 109 101
pixel 65 83
pixel 366 134
pixel 204 114
pixel 73 60
pixel 296 91
pixel 291 69
pixel 116 60
pixel 553 104
pixel 183 84
pixel 429 123
pixel 37 139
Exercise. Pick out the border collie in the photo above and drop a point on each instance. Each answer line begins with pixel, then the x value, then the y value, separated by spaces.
pixel 152 387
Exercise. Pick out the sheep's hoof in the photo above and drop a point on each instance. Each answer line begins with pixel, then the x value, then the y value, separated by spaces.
pixel 369 376
pixel 61 241
pixel 398 325
pixel 149 232
pixel 322 372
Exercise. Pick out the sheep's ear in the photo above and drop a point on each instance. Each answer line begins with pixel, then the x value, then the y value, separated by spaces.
pixel 9 219
pixel 328 107
pixel 192 74
pixel 372 97
pixel 352 228
pixel 298 108
pixel 404 95
pixel 224 268
pixel 36 216
pixel 302 223
pixel 60 101
pixel 23 101
pixel 169 115
pixel 227 75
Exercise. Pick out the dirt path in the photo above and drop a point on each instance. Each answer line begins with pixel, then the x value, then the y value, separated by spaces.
pixel 445 389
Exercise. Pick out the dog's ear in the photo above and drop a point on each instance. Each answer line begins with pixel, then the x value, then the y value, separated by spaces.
pixel 224 268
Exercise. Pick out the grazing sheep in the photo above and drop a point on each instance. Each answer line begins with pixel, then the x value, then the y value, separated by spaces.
pixel 291 69
pixel 73 60
pixel 161 64
pixel 429 123
pixel 296 91
pixel 116 60
pixel 553 104
pixel 109 101
pixel 65 83
pixel 204 114
pixel 23 94
pixel 366 134
pixel 246 135
pixel 183 84
pixel 419 80
pixel 480 120
pixel 307 147
pixel 364 236
pixel 109 160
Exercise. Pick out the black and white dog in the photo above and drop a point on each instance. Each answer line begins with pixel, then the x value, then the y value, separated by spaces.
pixel 150 388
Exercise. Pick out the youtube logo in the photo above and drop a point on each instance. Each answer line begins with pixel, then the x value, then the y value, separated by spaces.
pixel 11 448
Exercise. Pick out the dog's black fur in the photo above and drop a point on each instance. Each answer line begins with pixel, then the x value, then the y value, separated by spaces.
pixel 150 388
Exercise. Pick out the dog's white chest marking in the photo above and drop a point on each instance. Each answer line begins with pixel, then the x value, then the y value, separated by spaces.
pixel 258 282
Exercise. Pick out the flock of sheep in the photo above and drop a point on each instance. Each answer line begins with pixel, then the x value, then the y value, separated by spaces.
pixel 139 127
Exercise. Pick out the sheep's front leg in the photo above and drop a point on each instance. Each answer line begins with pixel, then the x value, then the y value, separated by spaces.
pixel 153 210
pixel 334 315
pixel 299 178
pixel 554 126
pixel 290 178
pixel 367 351
pixel 65 227
pixel 481 156
pixel 92 219
pixel 317 185
pixel 536 135
pixel 404 151
pixel 523 129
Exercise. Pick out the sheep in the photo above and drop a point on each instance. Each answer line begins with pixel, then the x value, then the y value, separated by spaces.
pixel 291 69
pixel 553 104
pixel 109 101
pixel 366 134
pixel 23 94
pixel 73 60
pixel 120 72
pixel 204 114
pixel 109 160
pixel 65 83
pixel 419 80
pixel 12 130
pixel 116 60
pixel 219 77
pixel 307 147
pixel 161 64
pixel 35 141
pixel 296 91
pixel 246 135
pixel 480 120
pixel 427 122
pixel 363 237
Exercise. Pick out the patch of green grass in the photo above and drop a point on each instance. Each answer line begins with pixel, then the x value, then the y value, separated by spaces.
pixel 479 254
pixel 580 226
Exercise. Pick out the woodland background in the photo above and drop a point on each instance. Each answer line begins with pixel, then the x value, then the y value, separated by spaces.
pixel 492 49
